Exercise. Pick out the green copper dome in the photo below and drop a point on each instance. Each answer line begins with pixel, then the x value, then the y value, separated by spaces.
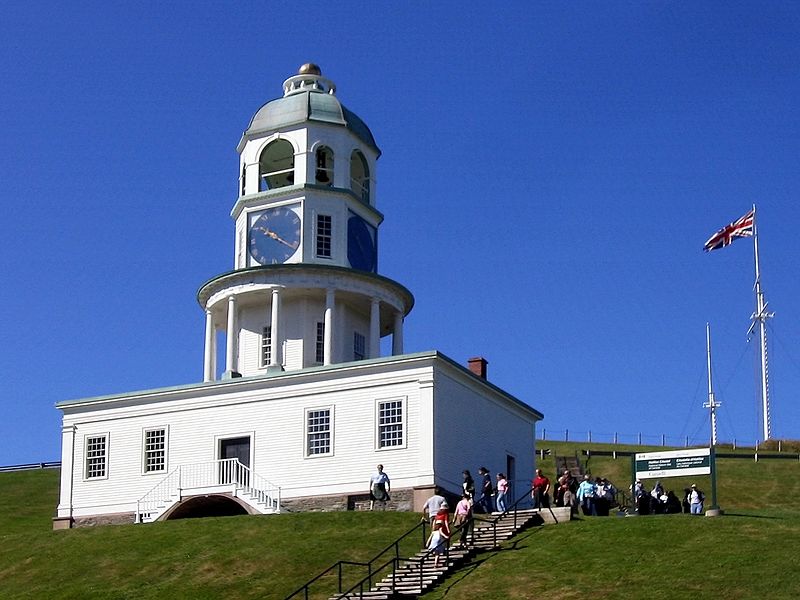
pixel 308 97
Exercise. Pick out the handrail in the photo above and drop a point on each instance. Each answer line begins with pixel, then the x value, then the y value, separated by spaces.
pixel 396 560
pixel 421 560
pixel 221 473
pixel 494 521
pixel 370 570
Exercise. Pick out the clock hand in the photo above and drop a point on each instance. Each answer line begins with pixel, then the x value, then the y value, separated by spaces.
pixel 277 238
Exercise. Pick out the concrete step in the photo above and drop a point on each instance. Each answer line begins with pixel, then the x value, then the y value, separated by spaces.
pixel 405 581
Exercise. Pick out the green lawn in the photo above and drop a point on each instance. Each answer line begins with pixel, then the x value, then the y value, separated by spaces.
pixel 748 553
pixel 227 557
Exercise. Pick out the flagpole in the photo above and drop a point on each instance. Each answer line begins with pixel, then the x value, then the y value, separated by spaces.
pixel 712 404
pixel 761 315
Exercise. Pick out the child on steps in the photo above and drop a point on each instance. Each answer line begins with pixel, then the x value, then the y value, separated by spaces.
pixel 437 541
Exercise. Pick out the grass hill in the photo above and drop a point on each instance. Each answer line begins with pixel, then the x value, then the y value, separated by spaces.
pixel 751 552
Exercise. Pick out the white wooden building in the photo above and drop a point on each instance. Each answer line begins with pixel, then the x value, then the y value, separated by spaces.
pixel 305 406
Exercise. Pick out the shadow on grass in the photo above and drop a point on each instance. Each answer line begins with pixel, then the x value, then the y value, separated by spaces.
pixel 727 514
pixel 467 569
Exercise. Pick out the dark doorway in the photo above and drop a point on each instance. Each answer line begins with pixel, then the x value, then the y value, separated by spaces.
pixel 207 506
pixel 511 474
pixel 234 448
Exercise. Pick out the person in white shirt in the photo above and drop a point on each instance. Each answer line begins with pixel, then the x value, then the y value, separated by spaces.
pixel 379 487
pixel 433 505
pixel 696 498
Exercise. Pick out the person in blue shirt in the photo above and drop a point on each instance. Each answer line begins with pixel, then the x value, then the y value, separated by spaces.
pixel 586 493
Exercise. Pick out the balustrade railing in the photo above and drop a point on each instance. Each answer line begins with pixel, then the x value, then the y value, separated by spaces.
pixel 216 475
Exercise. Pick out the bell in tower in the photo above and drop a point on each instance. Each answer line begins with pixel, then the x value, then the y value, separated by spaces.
pixel 304 290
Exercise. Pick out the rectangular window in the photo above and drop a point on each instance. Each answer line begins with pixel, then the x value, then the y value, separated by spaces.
pixel 266 345
pixel 359 346
pixel 390 423
pixel 324 231
pixel 155 450
pixel 240 252
pixel 319 356
pixel 318 431
pixel 96 454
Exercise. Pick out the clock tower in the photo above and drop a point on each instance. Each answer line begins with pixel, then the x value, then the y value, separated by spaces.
pixel 305 289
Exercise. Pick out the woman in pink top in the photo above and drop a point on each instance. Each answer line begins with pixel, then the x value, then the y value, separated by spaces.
pixel 502 489
pixel 463 518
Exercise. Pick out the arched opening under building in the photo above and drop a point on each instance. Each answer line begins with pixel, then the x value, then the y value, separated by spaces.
pixel 213 505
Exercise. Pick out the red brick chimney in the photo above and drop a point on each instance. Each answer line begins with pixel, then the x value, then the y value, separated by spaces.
pixel 477 365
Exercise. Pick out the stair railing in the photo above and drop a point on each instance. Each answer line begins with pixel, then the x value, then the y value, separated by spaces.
pixel 148 504
pixel 224 473
pixel 396 561
pixel 514 508
pixel 370 566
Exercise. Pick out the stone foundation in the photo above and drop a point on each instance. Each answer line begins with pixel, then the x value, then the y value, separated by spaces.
pixel 126 518
pixel 402 500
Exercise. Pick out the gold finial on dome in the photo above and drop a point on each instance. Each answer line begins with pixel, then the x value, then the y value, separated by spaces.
pixel 309 69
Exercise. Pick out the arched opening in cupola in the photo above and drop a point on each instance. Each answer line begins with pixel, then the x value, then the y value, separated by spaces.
pixel 276 166
pixel 359 175
pixel 324 171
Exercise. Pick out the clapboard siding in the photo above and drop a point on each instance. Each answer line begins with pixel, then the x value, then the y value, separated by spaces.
pixel 474 429
pixel 275 418
pixel 451 422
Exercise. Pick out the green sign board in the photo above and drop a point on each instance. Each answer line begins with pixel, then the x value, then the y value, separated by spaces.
pixel 676 463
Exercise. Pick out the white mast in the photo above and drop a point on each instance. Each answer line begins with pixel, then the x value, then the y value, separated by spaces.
pixel 760 316
pixel 711 404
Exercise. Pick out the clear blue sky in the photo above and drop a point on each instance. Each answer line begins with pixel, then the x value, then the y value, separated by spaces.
pixel 550 172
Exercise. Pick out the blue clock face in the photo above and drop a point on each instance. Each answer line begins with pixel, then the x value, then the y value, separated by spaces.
pixel 360 244
pixel 274 236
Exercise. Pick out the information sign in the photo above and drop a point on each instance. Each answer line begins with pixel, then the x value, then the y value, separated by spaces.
pixel 676 463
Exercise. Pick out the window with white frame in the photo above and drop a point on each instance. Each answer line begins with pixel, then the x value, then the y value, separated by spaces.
pixel 390 423
pixel 155 450
pixel 359 346
pixel 318 431
pixel 96 456
pixel 319 348
pixel 324 231
pixel 266 345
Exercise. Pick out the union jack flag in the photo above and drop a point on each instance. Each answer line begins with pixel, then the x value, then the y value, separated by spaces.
pixel 744 227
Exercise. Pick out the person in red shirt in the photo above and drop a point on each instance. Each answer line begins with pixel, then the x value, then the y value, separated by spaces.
pixel 540 491
pixel 443 518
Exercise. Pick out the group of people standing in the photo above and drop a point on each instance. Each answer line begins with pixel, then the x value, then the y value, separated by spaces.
pixel 660 502
pixel 595 496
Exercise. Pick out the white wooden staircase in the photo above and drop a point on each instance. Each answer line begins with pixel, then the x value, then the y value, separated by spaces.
pixel 225 476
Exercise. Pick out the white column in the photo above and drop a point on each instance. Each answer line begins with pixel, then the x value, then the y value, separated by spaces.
pixel 231 366
pixel 67 470
pixel 375 328
pixel 209 372
pixel 397 334
pixel 275 337
pixel 330 305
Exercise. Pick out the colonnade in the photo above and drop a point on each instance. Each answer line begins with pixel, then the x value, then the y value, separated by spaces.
pixel 231 330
